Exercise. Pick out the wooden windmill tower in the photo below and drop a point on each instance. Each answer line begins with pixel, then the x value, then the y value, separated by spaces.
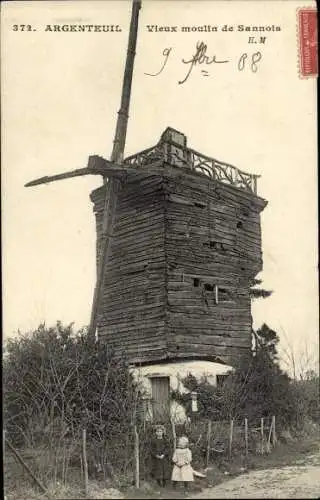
pixel 178 247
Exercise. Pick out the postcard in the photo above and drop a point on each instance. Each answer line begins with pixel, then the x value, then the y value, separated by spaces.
pixel 159 163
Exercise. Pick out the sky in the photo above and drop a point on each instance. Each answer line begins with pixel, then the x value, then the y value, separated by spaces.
pixel 60 97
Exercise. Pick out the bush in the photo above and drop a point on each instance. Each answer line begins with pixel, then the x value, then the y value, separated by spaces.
pixel 56 382
pixel 256 388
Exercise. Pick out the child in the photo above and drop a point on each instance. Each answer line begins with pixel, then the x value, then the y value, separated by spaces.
pixel 182 469
pixel 160 456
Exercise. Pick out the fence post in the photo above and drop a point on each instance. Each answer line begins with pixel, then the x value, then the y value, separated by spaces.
pixel 174 434
pixel 230 437
pixel 262 435
pixel 81 468
pixel 273 431
pixel 270 433
pixel 85 461
pixel 136 450
pixel 246 434
pixel 208 442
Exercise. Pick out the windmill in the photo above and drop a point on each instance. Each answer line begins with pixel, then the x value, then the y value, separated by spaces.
pixel 178 246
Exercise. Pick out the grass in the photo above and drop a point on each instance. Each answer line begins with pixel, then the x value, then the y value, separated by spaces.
pixel 296 452
pixel 287 454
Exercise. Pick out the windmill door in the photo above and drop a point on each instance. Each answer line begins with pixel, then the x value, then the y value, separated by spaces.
pixel 160 397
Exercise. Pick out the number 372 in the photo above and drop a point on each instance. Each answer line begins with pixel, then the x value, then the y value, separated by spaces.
pixel 21 27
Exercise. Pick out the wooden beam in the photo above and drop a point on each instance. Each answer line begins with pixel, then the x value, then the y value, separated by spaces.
pixel 59 177
pixel 123 113
pixel 99 166
pixel 96 166
pixel 116 157
pixel 26 467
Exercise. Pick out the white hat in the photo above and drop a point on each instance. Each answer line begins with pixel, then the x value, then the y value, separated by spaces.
pixel 183 441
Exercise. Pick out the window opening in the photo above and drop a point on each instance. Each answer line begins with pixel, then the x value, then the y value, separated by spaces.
pixel 196 282
pixel 208 287
pixel 214 244
pixel 221 379
pixel 223 295
pixel 199 204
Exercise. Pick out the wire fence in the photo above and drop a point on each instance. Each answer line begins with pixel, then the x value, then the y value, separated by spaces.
pixel 77 458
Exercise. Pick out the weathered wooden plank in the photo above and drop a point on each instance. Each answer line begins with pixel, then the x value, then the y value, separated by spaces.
pixel 206 349
pixel 153 216
pixel 212 340
pixel 208 185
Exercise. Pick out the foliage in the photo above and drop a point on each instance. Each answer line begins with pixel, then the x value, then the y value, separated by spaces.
pixel 307 400
pixel 258 293
pixel 256 388
pixel 56 382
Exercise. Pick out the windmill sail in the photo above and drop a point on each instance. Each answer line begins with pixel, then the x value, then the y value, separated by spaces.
pixel 96 166
pixel 117 156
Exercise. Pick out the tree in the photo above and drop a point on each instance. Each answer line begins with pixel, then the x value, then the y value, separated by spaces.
pixel 56 382
pixel 258 293
pixel 256 388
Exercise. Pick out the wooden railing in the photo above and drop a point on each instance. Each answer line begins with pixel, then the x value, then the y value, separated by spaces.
pixel 188 158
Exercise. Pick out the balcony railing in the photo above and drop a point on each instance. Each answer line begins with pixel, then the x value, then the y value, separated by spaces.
pixel 188 158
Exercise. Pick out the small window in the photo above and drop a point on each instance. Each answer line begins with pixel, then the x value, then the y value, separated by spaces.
pixel 211 244
pixel 224 295
pixel 199 204
pixel 221 380
pixel 217 245
pixel 196 282
pixel 239 225
pixel 208 287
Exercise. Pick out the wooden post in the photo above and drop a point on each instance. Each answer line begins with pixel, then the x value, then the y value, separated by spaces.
pixel 81 467
pixel 262 435
pixel 216 294
pixel 208 442
pixel 23 463
pixel 174 434
pixel 270 432
pixel 137 461
pixel 246 435
pixel 123 113
pixel 273 431
pixel 230 437
pixel 84 460
pixel 254 183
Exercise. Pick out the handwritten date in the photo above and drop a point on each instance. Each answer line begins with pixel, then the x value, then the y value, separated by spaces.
pixel 200 57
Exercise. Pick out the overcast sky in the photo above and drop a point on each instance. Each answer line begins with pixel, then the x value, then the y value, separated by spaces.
pixel 60 97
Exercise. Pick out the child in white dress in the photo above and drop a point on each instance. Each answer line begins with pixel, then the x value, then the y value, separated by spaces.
pixel 182 469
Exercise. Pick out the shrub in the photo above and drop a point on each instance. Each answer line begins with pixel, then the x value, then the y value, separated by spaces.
pixel 256 388
pixel 56 382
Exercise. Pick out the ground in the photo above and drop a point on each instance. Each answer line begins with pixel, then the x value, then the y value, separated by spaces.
pixel 292 470
pixel 286 482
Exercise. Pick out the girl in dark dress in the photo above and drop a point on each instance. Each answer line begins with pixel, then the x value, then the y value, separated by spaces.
pixel 160 452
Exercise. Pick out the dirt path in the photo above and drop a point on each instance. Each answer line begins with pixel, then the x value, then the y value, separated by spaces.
pixel 298 481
